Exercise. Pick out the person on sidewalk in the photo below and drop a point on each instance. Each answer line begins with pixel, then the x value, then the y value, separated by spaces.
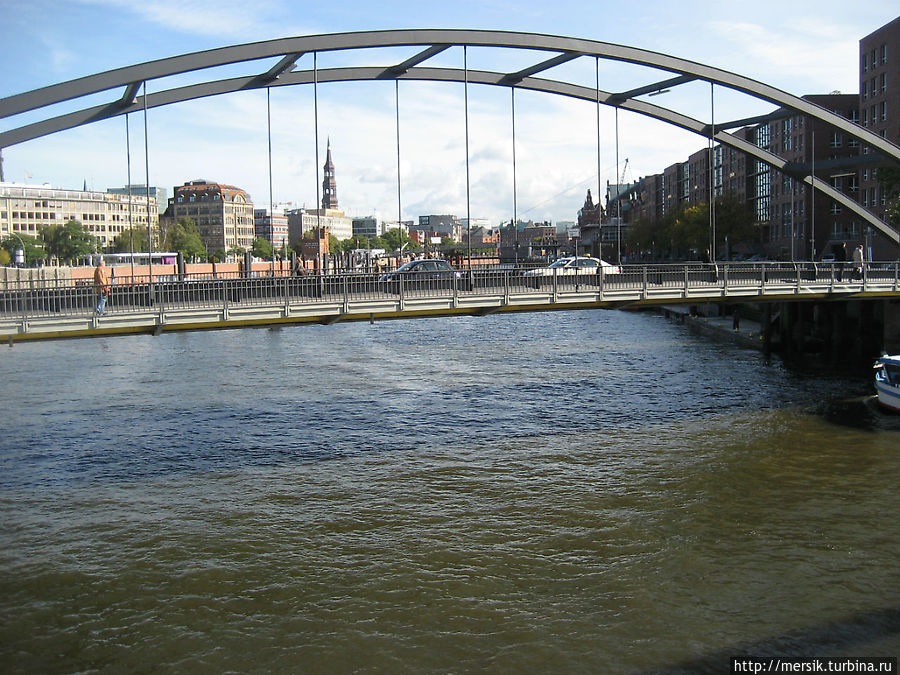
pixel 840 258
pixel 858 262
pixel 101 283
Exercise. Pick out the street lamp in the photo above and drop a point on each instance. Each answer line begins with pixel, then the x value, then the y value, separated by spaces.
pixel 19 253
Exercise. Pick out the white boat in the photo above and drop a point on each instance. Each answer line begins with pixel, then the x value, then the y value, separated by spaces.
pixel 887 381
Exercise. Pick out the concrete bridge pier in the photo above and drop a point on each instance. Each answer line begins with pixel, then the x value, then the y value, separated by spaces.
pixel 850 331
pixel 891 341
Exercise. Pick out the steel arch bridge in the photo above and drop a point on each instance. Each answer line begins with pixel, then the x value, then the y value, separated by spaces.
pixel 430 42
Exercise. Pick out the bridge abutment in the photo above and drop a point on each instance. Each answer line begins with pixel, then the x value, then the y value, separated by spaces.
pixel 834 332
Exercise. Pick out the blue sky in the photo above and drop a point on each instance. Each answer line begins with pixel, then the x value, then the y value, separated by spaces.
pixel 801 47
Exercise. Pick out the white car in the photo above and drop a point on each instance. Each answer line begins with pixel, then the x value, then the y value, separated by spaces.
pixel 582 265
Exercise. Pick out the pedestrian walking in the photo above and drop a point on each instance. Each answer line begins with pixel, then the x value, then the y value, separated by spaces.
pixel 840 257
pixel 102 285
pixel 858 262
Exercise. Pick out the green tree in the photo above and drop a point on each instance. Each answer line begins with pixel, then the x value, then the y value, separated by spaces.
pixel 642 235
pixel 68 242
pixel 218 255
pixel 184 238
pixel 735 220
pixel 262 248
pixel 394 239
pixel 689 229
pixel 134 236
pixel 360 241
pixel 889 182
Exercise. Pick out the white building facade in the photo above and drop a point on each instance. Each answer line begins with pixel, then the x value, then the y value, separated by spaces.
pixel 27 209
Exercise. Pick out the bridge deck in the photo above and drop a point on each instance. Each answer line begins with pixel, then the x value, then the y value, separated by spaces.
pixel 57 310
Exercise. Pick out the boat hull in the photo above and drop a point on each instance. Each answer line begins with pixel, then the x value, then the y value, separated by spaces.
pixel 888 395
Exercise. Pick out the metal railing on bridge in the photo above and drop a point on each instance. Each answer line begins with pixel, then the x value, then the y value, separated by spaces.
pixel 26 302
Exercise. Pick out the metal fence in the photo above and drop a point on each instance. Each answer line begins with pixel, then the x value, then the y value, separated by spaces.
pixel 76 299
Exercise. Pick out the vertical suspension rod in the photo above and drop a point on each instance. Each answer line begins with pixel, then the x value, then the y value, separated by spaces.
pixel 316 132
pixel 468 205
pixel 397 120
pixel 599 177
pixel 712 171
pixel 271 205
pixel 130 205
pixel 618 197
pixel 515 204
pixel 147 177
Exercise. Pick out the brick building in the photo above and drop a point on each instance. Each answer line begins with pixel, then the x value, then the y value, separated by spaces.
pixel 789 225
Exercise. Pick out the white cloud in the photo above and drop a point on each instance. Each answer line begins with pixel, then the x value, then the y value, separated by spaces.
pixel 244 21
pixel 816 53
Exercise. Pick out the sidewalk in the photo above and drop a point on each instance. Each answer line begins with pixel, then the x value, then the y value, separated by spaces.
pixel 748 333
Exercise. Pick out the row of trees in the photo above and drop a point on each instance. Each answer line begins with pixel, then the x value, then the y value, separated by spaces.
pixel 64 242
pixel 681 232
pixel 71 241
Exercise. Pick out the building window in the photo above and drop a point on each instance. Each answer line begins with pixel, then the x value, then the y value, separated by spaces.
pixel 837 139
pixel 884 111
pixel 884 53
pixel 883 82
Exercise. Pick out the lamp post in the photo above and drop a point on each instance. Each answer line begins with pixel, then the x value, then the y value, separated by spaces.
pixel 19 253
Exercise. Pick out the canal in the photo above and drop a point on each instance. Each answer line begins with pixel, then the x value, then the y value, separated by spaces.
pixel 561 492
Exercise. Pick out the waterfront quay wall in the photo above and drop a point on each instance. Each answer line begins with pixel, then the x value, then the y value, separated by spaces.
pixel 834 331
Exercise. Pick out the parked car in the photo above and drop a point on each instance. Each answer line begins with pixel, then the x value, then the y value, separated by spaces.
pixel 570 266
pixel 426 273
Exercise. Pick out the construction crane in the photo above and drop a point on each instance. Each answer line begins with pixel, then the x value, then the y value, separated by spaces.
pixel 624 169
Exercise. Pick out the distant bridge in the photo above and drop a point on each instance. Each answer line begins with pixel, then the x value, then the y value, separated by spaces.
pixel 65 309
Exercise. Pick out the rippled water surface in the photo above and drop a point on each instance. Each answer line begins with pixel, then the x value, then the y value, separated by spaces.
pixel 565 492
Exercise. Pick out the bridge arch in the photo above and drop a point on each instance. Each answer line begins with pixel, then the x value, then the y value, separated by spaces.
pixel 435 41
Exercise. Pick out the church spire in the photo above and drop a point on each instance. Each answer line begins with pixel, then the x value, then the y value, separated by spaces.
pixel 329 185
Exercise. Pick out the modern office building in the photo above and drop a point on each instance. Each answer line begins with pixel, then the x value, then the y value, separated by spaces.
pixel 443 225
pixel 367 226
pixel 157 193
pixel 273 227
pixel 222 213
pixel 301 221
pixel 27 209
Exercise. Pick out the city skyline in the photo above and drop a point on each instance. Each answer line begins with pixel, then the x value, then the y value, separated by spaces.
pixel 224 138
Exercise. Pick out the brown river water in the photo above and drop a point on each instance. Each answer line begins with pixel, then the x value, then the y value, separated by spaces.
pixel 559 492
